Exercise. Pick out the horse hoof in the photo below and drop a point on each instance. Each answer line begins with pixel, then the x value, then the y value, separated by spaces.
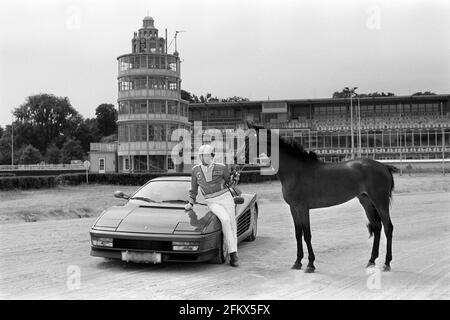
pixel 309 269
pixel 370 264
pixel 296 266
pixel 386 268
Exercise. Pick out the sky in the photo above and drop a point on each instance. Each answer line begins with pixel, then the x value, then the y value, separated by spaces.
pixel 258 49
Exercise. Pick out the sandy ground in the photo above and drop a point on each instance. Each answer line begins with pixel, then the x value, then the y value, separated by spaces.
pixel 50 259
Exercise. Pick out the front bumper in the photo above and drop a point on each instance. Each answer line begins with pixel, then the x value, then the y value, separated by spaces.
pixel 208 245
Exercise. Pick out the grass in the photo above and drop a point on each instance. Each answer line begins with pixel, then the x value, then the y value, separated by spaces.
pixel 82 201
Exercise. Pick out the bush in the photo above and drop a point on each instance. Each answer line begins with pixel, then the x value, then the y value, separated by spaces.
pixel 138 179
pixel 132 179
pixel 27 182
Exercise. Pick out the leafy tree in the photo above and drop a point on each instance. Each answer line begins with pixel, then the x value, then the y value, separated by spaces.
pixel 72 150
pixel 106 116
pixel 109 139
pixel 42 118
pixel 5 147
pixel 53 154
pixel 426 93
pixel 30 155
pixel 186 95
pixel 86 132
pixel 235 99
pixel 345 93
pixel 1 131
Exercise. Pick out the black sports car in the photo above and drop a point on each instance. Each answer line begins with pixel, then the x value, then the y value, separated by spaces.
pixel 154 227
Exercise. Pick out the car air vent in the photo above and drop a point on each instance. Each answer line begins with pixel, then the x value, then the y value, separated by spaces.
pixel 243 223
pixel 142 244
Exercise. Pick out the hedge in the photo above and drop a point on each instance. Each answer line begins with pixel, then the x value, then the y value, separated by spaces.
pixel 137 179
pixel 24 182
pixel 134 179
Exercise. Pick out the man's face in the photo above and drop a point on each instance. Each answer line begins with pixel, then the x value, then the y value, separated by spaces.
pixel 206 158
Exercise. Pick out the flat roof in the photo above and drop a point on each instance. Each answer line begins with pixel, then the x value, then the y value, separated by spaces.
pixel 321 100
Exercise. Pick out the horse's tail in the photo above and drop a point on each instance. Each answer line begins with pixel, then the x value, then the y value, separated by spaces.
pixel 391 169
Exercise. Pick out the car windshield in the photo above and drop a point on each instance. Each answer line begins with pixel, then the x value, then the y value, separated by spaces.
pixel 175 191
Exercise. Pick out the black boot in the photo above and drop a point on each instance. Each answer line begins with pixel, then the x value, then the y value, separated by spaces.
pixel 234 260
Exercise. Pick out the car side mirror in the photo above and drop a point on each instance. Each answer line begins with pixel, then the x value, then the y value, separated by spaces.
pixel 238 200
pixel 121 195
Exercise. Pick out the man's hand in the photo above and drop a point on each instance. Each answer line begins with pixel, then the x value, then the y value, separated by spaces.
pixel 188 206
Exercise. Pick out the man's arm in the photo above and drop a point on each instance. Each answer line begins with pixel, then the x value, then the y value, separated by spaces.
pixel 194 187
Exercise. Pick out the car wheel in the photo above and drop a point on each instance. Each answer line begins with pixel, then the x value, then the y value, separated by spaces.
pixel 254 213
pixel 221 256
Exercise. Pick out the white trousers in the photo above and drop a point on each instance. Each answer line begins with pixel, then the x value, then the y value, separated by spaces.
pixel 224 208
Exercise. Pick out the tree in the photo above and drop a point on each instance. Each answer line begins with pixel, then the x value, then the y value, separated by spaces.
pixel 426 93
pixel 1 131
pixel 109 139
pixel 72 150
pixel 235 99
pixel 86 132
pixel 186 95
pixel 5 147
pixel 42 118
pixel 345 93
pixel 30 155
pixel 106 116
pixel 53 154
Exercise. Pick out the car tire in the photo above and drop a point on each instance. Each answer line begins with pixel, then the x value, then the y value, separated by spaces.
pixel 252 236
pixel 221 256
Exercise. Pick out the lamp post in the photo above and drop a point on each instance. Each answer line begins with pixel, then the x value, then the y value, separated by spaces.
pixel 359 130
pixel 12 143
pixel 351 92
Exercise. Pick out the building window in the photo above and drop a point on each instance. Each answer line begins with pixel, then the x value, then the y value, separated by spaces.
pixel 101 165
pixel 173 86
pixel 170 164
pixel 172 107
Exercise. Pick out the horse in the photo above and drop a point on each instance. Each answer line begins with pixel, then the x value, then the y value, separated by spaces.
pixel 309 183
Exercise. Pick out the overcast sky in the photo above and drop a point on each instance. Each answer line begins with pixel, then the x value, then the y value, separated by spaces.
pixel 255 49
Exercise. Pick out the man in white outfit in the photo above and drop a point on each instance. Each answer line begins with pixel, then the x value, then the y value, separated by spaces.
pixel 213 178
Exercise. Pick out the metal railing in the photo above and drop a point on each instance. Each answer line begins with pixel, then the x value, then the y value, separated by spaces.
pixel 30 167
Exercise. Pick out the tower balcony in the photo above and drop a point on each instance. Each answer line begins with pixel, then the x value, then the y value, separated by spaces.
pixel 163 117
pixel 149 72
pixel 149 93
pixel 144 148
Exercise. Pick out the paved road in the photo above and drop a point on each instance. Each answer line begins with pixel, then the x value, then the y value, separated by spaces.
pixel 41 260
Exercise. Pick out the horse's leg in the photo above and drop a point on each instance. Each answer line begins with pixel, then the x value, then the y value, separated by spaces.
pixel 307 236
pixel 388 230
pixel 381 203
pixel 298 235
pixel 374 226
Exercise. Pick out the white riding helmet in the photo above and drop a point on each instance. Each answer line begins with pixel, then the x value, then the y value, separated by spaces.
pixel 206 149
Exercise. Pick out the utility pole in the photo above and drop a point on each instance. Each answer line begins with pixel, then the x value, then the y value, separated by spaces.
pixel 12 143
pixel 351 92
pixel 359 130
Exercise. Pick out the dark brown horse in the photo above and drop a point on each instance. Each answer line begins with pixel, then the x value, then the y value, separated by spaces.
pixel 308 183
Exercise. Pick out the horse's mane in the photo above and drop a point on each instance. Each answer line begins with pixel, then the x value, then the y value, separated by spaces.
pixel 294 148
pixel 290 146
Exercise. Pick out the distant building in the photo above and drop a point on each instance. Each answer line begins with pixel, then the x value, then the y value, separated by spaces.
pixel 150 104
pixel 394 127
pixel 103 157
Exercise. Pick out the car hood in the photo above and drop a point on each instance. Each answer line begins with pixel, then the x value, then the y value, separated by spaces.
pixel 155 218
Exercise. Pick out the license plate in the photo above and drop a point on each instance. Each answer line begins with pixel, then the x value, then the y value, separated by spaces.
pixel 147 257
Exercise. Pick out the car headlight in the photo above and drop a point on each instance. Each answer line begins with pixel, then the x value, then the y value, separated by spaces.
pixel 185 246
pixel 102 242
